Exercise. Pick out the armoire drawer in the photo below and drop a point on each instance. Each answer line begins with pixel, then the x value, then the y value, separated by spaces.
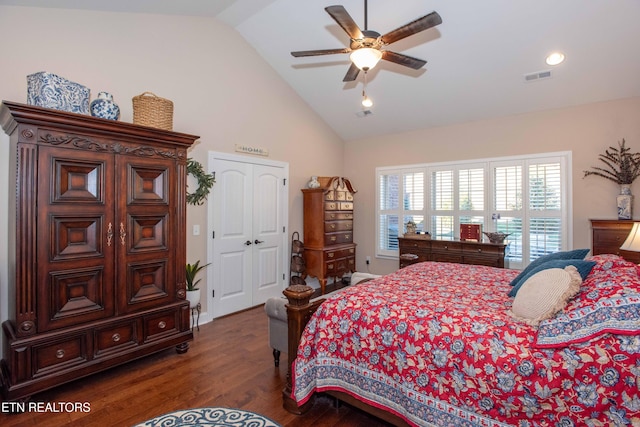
pixel 115 337
pixel 161 324
pixel 58 355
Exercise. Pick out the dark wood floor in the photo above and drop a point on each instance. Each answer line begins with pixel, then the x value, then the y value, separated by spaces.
pixel 229 364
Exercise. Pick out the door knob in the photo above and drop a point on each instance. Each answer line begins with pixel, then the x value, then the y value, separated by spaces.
pixel 248 242
pixel 257 242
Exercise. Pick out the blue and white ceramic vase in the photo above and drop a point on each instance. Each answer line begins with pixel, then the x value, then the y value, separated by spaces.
pixel 104 107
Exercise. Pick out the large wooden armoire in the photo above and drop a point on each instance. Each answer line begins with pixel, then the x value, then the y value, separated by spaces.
pixel 329 250
pixel 97 246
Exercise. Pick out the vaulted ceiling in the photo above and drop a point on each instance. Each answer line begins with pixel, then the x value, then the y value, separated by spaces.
pixel 477 58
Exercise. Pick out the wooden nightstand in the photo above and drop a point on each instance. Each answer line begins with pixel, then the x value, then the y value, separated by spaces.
pixel 607 235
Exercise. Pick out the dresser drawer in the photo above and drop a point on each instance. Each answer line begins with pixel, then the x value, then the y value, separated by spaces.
pixel 332 226
pixel 445 246
pixel 56 356
pixel 338 206
pixel 351 263
pixel 335 238
pixel 337 215
pixel 608 241
pixel 330 268
pixel 161 324
pixel 471 248
pixel 113 338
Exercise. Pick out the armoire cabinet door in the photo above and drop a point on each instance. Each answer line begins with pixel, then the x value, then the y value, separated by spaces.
pixel 146 232
pixel 76 237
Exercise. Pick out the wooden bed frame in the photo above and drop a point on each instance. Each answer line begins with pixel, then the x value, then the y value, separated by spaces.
pixel 299 311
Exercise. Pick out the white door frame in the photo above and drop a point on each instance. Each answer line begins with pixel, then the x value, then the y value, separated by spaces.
pixel 212 155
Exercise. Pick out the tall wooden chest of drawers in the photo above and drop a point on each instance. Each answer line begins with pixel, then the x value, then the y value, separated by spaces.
pixel 329 249
pixel 97 246
pixel 607 235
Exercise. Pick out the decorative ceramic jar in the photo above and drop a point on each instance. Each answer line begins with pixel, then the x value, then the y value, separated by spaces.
pixel 104 107
pixel 52 91
pixel 625 202
pixel 313 183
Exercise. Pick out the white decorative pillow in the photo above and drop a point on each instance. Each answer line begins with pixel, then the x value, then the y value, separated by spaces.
pixel 545 293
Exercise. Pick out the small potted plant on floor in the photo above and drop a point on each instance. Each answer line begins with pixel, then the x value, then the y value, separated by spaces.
pixel 193 293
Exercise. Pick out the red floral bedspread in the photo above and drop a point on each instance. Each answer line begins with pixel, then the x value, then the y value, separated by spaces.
pixel 435 344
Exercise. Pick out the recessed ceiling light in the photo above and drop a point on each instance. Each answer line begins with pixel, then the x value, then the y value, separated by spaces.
pixel 555 58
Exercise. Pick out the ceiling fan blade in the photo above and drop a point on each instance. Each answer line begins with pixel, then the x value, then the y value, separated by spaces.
pixel 319 52
pixel 413 27
pixel 342 17
pixel 407 61
pixel 352 73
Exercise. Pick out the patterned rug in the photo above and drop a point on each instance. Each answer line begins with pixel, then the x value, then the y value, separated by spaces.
pixel 210 417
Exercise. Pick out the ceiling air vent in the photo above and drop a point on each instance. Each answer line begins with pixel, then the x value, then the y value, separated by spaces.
pixel 364 113
pixel 540 75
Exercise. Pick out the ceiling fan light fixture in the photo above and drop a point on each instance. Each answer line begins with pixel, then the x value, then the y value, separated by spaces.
pixel 365 58
pixel 367 102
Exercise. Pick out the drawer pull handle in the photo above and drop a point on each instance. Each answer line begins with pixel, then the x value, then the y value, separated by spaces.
pixel 116 337
pixel 330 255
pixel 332 226
pixel 60 354
pixel 479 249
pixel 333 238
pixel 162 324
pixel 347 237
pixel 446 247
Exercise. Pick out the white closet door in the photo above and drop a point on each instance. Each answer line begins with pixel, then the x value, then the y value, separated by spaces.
pixel 268 228
pixel 248 235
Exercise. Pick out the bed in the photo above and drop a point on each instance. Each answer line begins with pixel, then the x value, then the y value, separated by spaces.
pixel 436 344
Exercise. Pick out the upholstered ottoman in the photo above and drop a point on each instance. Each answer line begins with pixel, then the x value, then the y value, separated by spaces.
pixel 277 313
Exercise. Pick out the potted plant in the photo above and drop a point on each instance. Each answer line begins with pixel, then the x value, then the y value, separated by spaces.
pixel 622 167
pixel 193 293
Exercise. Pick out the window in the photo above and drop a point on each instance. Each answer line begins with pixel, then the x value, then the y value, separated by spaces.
pixel 406 186
pixel 525 197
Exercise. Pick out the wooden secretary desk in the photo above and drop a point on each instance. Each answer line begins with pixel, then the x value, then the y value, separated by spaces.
pixel 97 246
pixel 329 250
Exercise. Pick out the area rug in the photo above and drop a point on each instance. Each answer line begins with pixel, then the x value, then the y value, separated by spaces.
pixel 210 417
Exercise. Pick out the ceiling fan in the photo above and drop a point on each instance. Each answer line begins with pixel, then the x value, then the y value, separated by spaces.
pixel 366 47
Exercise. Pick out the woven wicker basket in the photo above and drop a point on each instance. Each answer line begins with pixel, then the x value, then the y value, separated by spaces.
pixel 151 110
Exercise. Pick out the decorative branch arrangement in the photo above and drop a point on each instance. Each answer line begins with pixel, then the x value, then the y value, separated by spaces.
pixel 622 167
pixel 205 182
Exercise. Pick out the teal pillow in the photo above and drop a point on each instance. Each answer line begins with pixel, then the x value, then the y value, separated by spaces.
pixel 574 254
pixel 583 267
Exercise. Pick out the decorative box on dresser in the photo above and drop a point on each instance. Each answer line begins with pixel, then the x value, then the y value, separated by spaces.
pixel 413 250
pixel 96 246
pixel 329 250
pixel 607 235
